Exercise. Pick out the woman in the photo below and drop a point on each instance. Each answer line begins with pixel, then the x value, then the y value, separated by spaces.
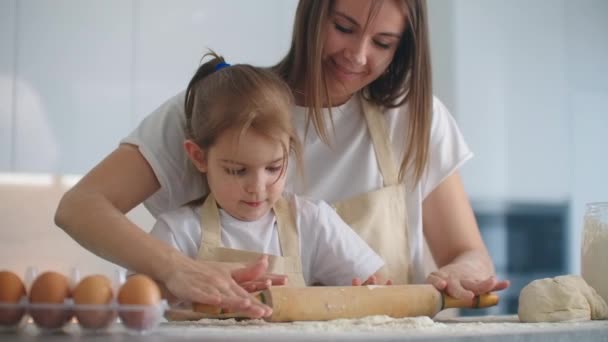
pixel 376 145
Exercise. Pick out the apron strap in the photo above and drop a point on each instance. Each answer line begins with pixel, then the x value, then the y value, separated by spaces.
pixel 288 232
pixel 210 219
pixel 289 263
pixel 380 139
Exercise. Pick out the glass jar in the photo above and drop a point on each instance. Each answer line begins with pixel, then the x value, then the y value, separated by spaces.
pixel 594 251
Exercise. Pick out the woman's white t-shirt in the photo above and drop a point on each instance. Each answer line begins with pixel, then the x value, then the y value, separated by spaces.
pixel 345 168
pixel 330 251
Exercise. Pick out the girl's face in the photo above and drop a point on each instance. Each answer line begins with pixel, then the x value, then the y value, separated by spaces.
pixel 354 54
pixel 246 176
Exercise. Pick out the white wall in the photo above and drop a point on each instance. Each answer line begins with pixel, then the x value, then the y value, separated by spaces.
pixel 78 75
pixel 7 74
pixel 170 38
pixel 508 78
pixel 587 74
pixel 526 81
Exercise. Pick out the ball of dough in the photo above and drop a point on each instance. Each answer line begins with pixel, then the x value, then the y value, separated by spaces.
pixel 563 298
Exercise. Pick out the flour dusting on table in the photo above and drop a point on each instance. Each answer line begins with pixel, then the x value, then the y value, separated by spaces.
pixel 372 326
pixel 367 324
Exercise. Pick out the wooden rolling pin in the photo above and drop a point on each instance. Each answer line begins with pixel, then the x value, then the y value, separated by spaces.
pixel 325 303
pixel 397 301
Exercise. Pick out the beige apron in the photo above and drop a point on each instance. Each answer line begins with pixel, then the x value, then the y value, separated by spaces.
pixel 380 216
pixel 289 264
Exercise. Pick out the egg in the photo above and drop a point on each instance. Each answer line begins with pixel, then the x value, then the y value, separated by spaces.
pixel 11 292
pixel 139 290
pixel 94 290
pixel 50 288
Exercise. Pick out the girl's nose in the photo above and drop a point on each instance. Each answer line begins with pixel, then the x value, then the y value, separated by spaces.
pixel 255 183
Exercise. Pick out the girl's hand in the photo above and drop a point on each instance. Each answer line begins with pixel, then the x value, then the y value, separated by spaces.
pixel 372 280
pixel 457 281
pixel 254 278
pixel 207 283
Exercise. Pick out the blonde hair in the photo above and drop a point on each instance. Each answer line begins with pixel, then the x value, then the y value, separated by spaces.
pixel 407 79
pixel 239 97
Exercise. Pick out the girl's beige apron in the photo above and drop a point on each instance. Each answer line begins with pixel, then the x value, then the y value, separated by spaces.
pixel 380 216
pixel 288 264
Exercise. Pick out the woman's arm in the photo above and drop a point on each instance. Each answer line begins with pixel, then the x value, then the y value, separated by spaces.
pixel 465 267
pixel 93 213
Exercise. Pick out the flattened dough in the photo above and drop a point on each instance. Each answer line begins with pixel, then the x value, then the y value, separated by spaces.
pixel 563 298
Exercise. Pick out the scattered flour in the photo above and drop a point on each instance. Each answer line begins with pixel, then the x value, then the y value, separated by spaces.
pixel 367 324
pixel 375 324
pixel 369 328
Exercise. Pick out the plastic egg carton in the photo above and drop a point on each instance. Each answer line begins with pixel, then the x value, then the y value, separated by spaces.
pixel 53 317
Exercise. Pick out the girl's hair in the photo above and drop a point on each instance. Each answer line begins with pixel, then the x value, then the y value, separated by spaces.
pixel 239 97
pixel 407 79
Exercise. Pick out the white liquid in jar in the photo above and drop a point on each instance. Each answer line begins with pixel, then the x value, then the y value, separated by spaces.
pixel 594 256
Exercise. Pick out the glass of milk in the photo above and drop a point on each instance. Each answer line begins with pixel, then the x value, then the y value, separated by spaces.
pixel 594 251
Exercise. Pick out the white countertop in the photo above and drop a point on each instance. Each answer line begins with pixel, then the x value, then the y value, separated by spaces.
pixel 380 328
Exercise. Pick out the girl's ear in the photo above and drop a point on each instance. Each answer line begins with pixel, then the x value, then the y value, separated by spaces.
pixel 196 155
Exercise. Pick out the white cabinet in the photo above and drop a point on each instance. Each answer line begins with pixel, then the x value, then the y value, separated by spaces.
pixel 7 80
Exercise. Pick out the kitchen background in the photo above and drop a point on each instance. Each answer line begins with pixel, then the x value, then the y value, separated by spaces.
pixel 526 81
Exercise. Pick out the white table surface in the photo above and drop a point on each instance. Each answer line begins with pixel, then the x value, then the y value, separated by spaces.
pixel 485 328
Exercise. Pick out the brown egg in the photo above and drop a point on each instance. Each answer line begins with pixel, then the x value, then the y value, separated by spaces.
pixel 139 290
pixel 11 292
pixel 50 288
pixel 94 290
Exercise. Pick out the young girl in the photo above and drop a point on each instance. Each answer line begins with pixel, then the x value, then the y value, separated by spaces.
pixel 377 145
pixel 239 137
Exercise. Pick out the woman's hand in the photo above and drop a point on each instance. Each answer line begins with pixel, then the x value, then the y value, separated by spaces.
pixel 209 283
pixel 465 267
pixel 462 279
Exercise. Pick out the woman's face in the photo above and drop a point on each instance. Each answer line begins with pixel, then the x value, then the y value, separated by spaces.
pixel 354 54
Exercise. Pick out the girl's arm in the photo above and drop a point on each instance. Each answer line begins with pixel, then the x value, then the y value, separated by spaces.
pixel 465 267
pixel 93 213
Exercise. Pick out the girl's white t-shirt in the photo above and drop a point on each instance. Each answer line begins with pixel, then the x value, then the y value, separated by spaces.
pixel 345 168
pixel 331 252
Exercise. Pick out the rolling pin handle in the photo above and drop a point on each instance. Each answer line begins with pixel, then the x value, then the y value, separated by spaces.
pixel 480 301
pixel 487 300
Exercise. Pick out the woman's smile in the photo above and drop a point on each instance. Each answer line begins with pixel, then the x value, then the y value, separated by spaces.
pixel 344 73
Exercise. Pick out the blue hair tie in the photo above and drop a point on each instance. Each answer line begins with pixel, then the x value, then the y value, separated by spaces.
pixel 221 65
